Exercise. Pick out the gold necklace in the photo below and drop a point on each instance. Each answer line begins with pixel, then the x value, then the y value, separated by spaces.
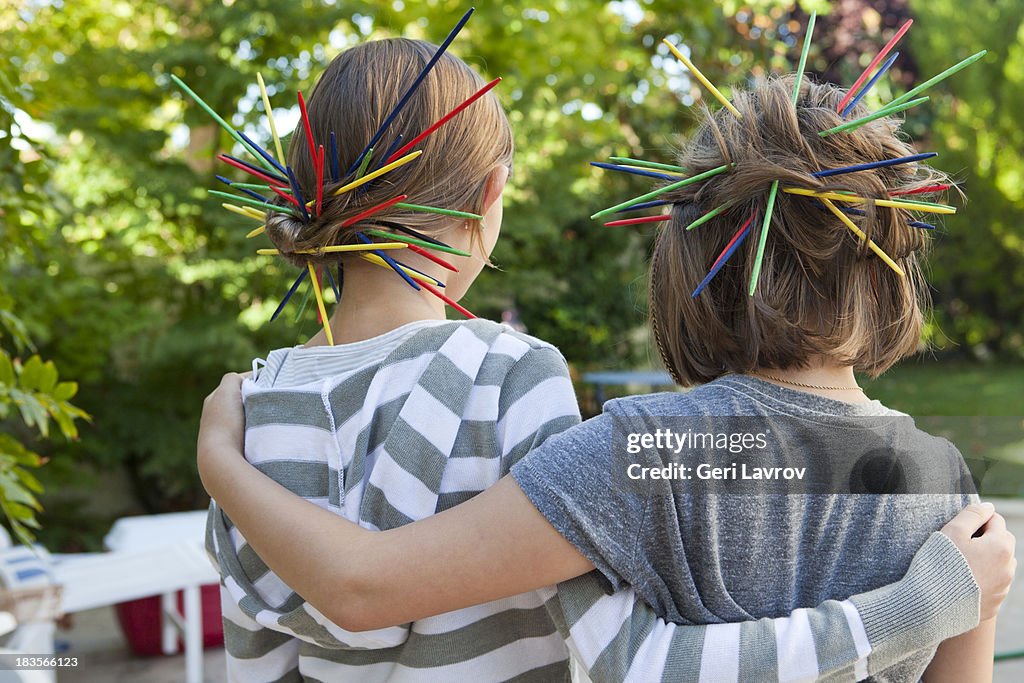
pixel 805 386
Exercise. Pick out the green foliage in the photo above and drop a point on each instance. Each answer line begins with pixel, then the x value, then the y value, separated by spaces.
pixel 135 282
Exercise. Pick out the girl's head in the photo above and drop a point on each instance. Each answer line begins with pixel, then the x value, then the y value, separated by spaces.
pixel 822 295
pixel 463 165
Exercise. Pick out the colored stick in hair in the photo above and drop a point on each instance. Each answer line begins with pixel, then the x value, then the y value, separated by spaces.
pixel 251 170
pixel 417 235
pixel 412 88
pixel 379 172
pixel 270 116
pixel 634 171
pixel 637 221
pixel 388 260
pixel 419 275
pixel 662 190
pixel 256 233
pixel 863 237
pixel 628 161
pixel 867 88
pixel 320 158
pixel 881 113
pixel 448 300
pixel 874 62
pixel 382 158
pixel 221 122
pixel 297 193
pixel 287 196
pixel 252 202
pixel 366 162
pixel 334 285
pixel 411 272
pixel 419 242
pixel 765 225
pixel 645 205
pixel 308 128
pixel 337 249
pixel 320 304
pixel 926 207
pixel 305 302
pixel 334 158
pixel 291 291
pixel 704 81
pixel 874 164
pixel 254 195
pixel 438 210
pixel 431 257
pixel 444 119
pixel 921 190
pixel 858 212
pixel 941 77
pixel 712 213
pixel 803 57
pixel 263 153
pixel 244 211
pixel 729 250
pixel 349 222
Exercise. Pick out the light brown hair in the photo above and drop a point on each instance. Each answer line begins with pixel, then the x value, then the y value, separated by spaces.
pixel 353 96
pixel 821 292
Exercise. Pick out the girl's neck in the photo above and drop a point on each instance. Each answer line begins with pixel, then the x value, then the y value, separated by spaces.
pixel 375 301
pixel 825 379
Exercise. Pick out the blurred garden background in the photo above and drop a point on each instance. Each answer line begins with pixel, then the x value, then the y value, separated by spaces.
pixel 126 291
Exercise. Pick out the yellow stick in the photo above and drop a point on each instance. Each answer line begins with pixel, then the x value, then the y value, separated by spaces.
pixel 703 79
pixel 320 303
pixel 340 248
pixel 855 199
pixel 270 117
pixel 244 211
pixel 378 261
pixel 257 232
pixel 860 233
pixel 379 172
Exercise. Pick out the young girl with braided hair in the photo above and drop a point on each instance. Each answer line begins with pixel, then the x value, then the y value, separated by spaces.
pixel 753 570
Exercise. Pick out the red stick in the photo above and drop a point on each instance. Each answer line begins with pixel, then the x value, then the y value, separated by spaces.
pixel 921 190
pixel 309 130
pixel 433 290
pixel 878 58
pixel 436 259
pixel 733 241
pixel 250 171
pixel 287 196
pixel 373 209
pixel 637 221
pixel 443 120
pixel 320 180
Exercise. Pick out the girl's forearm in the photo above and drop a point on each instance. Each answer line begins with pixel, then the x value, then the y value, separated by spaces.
pixel 966 658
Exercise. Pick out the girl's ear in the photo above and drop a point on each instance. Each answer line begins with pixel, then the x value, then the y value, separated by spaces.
pixel 494 186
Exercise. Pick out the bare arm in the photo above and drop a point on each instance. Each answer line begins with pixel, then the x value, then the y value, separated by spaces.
pixel 966 658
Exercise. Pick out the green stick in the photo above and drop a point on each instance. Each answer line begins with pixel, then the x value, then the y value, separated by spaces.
pixel 364 163
pixel 803 57
pixel 711 214
pixel 941 77
pixel 254 202
pixel 437 209
pixel 764 236
pixel 417 242
pixel 662 190
pixel 647 164
pixel 881 113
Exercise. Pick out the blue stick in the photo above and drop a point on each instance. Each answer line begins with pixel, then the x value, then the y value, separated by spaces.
pixel 874 164
pixel 334 158
pixel 420 272
pixel 864 90
pixel 262 152
pixel 388 260
pixel 382 159
pixel 635 171
pixel 721 261
pixel 254 195
pixel 261 171
pixel 412 88
pixel 291 291
pixel 298 193
pixel 645 205
pixel 334 285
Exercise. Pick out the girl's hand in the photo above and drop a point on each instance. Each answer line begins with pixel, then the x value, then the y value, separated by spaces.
pixel 981 535
pixel 221 430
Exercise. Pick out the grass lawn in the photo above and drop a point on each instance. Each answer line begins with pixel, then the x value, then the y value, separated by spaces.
pixel 930 387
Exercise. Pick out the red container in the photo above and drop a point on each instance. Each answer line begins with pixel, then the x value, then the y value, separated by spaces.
pixel 140 621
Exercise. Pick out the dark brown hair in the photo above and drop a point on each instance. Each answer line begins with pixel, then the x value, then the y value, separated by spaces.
pixel 821 292
pixel 353 96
